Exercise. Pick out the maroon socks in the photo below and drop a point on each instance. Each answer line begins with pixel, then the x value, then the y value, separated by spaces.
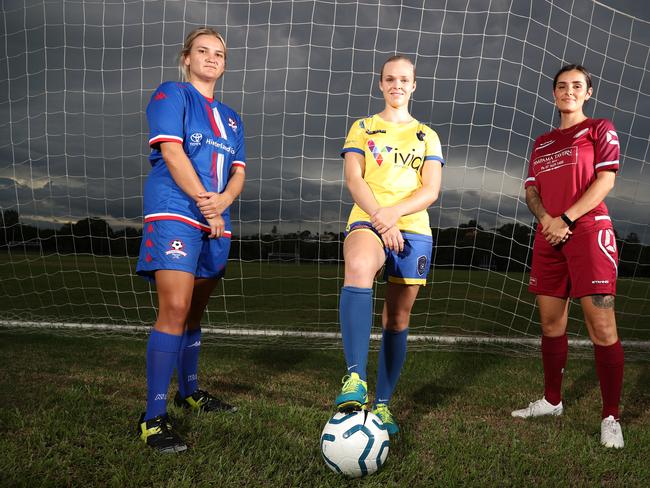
pixel 554 356
pixel 609 367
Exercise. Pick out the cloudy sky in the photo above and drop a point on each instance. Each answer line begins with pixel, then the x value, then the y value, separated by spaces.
pixel 75 77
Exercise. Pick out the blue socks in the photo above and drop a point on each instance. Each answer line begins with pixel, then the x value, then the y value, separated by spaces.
pixel 162 351
pixel 391 358
pixel 355 312
pixel 188 362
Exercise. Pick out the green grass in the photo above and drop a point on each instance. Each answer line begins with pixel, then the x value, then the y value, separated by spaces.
pixel 96 289
pixel 70 406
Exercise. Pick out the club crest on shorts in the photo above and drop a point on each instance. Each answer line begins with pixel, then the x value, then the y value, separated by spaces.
pixel 422 265
pixel 607 240
pixel 176 249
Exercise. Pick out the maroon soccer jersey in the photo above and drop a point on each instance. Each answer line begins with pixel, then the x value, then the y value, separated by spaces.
pixel 564 162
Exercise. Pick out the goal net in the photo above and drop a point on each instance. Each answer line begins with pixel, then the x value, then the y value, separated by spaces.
pixel 76 77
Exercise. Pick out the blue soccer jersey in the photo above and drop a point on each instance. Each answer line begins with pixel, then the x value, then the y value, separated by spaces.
pixel 212 136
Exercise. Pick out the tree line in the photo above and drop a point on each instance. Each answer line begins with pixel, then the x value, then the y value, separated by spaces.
pixel 506 248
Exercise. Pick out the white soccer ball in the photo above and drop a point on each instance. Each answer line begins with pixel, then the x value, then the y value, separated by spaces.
pixel 354 444
pixel 177 245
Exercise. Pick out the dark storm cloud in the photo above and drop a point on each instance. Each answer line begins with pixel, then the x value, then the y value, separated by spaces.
pixel 77 77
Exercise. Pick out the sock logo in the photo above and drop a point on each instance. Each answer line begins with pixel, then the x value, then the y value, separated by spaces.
pixel 160 396
pixel 196 344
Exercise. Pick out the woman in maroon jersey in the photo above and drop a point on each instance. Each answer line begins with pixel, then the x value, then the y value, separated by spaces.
pixel 572 169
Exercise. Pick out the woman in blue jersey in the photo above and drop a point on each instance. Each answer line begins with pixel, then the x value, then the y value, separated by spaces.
pixel 393 168
pixel 198 161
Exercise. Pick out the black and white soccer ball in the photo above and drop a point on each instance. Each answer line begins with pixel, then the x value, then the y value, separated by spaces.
pixel 354 444
pixel 176 245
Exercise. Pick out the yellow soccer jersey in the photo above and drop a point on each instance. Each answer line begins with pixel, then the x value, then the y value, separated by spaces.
pixel 394 157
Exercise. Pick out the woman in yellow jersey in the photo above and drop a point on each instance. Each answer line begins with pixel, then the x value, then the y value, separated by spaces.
pixel 393 168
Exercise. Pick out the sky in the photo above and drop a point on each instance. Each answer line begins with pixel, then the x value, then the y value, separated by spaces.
pixel 75 78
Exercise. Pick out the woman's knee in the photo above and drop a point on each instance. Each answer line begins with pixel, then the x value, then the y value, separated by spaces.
pixel 360 268
pixel 175 307
pixel 397 320
pixel 553 326
pixel 603 332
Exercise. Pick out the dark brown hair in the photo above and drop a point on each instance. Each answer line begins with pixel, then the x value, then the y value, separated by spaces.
pixel 571 67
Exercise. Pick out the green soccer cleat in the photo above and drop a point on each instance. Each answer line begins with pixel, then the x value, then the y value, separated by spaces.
pixel 381 410
pixel 202 401
pixel 159 434
pixel 354 393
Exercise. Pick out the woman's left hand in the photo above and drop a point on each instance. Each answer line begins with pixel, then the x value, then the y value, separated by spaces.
pixel 384 218
pixel 217 226
pixel 212 204
pixel 557 232
pixel 393 239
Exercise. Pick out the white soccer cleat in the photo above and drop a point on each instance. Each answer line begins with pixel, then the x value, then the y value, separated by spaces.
pixel 611 434
pixel 539 409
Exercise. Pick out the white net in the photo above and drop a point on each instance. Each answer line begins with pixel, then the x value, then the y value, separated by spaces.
pixel 76 77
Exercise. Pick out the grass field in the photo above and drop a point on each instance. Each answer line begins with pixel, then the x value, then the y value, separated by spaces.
pixel 95 289
pixel 70 406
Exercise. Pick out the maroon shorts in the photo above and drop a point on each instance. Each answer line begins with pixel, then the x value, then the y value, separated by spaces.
pixel 585 265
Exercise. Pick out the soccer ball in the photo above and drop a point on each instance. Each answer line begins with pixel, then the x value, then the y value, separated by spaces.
pixel 354 444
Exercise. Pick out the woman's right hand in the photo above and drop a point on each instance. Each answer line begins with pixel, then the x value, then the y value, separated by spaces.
pixel 393 239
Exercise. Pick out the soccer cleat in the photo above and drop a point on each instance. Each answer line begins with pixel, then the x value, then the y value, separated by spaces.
pixel 539 409
pixel 202 401
pixel 159 434
pixel 354 393
pixel 611 434
pixel 381 410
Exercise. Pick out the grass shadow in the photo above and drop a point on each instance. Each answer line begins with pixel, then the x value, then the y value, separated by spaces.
pixel 458 372
pixel 637 399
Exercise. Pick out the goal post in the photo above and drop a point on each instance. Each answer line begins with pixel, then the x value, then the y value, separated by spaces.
pixel 76 77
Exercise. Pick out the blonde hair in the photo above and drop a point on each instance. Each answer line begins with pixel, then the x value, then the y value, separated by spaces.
pixel 397 57
pixel 187 47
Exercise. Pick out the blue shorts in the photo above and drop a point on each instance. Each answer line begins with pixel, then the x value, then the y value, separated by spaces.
pixel 168 244
pixel 409 267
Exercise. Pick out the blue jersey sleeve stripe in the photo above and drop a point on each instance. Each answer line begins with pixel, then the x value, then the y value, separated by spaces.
pixel 354 150
pixel 435 158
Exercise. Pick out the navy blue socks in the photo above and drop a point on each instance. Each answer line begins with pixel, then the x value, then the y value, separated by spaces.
pixel 188 362
pixel 391 358
pixel 355 313
pixel 162 351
